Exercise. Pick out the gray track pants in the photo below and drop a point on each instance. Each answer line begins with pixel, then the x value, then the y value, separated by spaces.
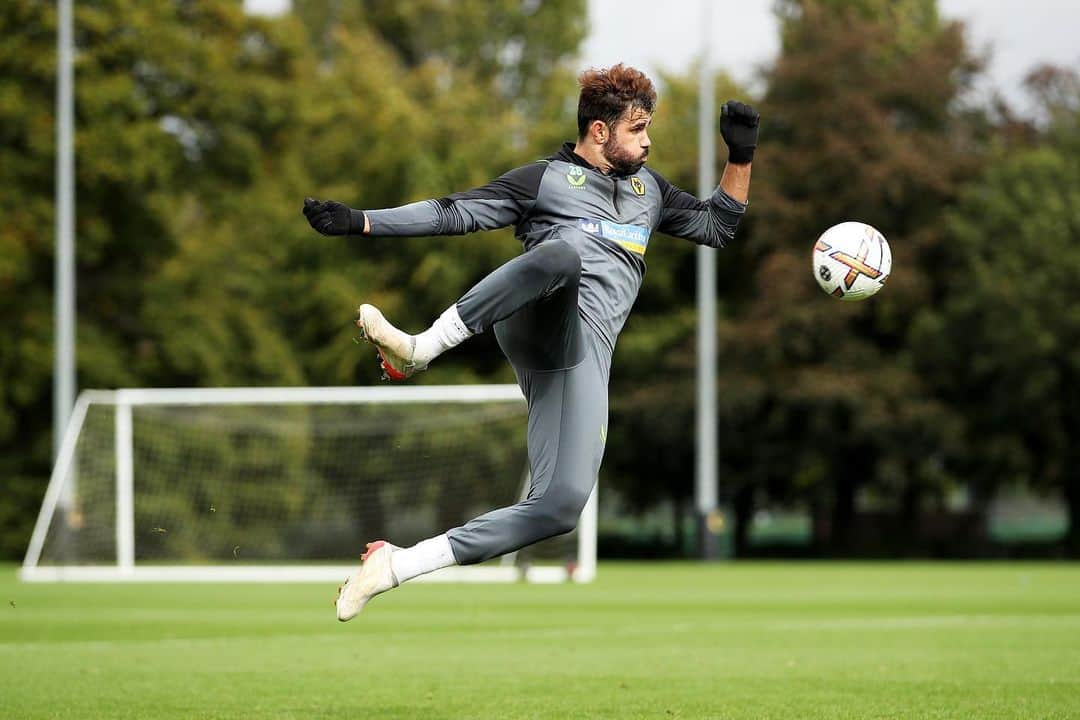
pixel 562 367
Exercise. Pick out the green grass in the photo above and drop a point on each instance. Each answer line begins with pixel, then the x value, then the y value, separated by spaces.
pixel 664 641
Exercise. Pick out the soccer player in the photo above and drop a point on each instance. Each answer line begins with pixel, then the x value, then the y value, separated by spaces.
pixel 584 216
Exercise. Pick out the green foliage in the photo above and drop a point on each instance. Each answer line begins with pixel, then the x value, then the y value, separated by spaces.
pixel 199 131
pixel 1004 347
pixel 820 397
pixel 27 70
pixel 913 21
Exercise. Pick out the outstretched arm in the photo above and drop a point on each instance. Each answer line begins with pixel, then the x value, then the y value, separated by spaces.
pixel 714 222
pixel 500 203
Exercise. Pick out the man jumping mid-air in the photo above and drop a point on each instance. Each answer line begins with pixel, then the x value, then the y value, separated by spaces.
pixel 584 216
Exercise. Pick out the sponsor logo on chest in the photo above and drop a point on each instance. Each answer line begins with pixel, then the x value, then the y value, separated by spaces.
pixel 575 177
pixel 634 238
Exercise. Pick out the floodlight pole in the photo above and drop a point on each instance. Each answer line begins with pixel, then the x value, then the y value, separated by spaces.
pixel 64 280
pixel 706 472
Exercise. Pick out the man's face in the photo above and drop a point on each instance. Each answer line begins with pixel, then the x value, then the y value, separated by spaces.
pixel 627 146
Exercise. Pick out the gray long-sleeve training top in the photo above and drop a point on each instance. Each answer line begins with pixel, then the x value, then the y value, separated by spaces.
pixel 607 218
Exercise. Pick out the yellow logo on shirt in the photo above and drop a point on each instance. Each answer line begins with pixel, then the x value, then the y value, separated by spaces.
pixel 639 187
pixel 575 176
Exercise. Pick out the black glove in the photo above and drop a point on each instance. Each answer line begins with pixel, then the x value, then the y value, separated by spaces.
pixel 333 218
pixel 739 126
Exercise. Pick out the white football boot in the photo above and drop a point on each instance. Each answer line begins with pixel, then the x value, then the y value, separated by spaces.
pixel 396 348
pixel 374 576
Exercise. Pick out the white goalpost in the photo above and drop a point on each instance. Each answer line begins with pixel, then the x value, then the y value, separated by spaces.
pixel 286 484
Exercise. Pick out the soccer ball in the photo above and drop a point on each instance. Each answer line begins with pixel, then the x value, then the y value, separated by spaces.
pixel 852 261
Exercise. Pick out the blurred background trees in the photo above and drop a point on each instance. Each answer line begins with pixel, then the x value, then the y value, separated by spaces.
pixel 1003 347
pixel 200 129
pixel 864 123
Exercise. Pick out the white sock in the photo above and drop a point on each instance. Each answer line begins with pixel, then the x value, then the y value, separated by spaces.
pixel 423 557
pixel 447 332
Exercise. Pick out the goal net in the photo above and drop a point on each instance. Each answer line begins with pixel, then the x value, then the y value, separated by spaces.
pixel 286 484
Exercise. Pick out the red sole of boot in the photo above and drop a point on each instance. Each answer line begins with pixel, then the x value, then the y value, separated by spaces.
pixel 390 372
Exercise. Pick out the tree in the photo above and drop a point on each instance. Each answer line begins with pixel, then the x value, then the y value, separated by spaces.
pixel 433 114
pixel 199 130
pixel 860 121
pixel 180 107
pixel 1003 349
pixel 26 140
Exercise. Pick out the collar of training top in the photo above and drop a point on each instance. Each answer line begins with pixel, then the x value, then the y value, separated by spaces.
pixel 566 152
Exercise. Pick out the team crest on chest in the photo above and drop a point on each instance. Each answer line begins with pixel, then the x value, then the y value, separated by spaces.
pixel 575 176
pixel 639 187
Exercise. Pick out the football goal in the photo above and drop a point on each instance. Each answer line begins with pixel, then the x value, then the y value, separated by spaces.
pixel 286 484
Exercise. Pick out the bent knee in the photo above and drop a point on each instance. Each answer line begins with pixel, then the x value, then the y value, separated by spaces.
pixel 560 514
pixel 561 524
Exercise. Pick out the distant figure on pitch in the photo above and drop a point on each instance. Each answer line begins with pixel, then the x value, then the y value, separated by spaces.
pixel 584 216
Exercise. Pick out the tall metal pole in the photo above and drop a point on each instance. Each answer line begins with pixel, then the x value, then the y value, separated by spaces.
pixel 705 495
pixel 64 281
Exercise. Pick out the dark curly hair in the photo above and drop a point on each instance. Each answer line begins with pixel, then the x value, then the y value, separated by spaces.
pixel 607 93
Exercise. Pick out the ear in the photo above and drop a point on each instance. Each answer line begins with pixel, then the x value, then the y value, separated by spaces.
pixel 599 132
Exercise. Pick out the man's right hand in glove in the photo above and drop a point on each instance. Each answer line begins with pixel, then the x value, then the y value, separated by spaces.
pixel 739 127
pixel 333 218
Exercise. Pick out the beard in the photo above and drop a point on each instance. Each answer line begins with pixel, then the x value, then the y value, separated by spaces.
pixel 622 161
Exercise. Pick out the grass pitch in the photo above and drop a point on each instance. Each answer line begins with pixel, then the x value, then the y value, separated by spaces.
pixel 770 640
